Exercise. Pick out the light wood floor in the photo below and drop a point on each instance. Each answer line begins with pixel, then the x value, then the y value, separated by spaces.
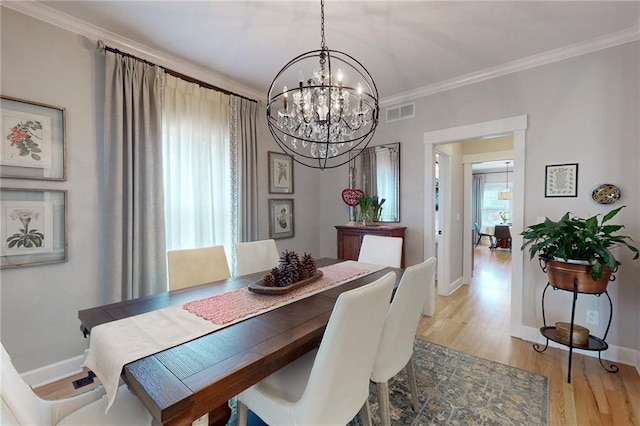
pixel 476 320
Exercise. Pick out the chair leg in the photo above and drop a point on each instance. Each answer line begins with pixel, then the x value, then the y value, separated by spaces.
pixel 365 414
pixel 243 412
pixel 383 403
pixel 413 387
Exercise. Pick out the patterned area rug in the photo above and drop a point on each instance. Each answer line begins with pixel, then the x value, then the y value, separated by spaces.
pixel 460 389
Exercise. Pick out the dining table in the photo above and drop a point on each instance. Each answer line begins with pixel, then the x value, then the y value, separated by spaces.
pixel 182 383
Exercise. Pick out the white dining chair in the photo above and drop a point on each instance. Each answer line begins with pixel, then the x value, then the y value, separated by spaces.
pixel 379 250
pixel 329 385
pixel 257 256
pixel 191 267
pixel 396 345
pixel 21 406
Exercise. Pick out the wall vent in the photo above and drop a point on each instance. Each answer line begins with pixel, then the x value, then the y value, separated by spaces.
pixel 401 112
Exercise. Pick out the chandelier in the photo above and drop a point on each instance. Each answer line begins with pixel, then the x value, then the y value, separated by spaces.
pixel 506 194
pixel 322 106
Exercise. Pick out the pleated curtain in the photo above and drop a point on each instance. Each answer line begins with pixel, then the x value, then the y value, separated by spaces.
pixel 134 239
pixel 244 142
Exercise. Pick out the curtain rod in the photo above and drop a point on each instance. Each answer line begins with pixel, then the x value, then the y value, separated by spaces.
pixel 490 173
pixel 101 47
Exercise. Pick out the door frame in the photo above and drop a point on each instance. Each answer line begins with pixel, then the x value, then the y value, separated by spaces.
pixel 516 125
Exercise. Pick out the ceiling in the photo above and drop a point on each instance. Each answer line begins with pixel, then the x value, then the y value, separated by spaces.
pixel 405 45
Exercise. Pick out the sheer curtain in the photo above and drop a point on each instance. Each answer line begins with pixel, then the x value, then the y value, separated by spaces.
pixel 197 166
pixel 133 211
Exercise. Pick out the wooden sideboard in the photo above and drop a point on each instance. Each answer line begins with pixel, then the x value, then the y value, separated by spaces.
pixel 350 238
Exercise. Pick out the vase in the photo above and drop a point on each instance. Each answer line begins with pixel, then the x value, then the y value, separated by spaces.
pixel 562 274
pixel 365 219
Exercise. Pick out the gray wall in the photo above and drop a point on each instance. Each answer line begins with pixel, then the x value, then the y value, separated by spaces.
pixel 581 110
pixel 39 304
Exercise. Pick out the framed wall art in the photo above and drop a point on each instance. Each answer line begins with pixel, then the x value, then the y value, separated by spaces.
pixel 281 218
pixel 33 227
pixel 561 180
pixel 33 140
pixel 280 173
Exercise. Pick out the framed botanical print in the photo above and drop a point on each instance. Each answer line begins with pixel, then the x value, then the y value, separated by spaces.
pixel 33 227
pixel 33 140
pixel 280 218
pixel 280 173
pixel 561 180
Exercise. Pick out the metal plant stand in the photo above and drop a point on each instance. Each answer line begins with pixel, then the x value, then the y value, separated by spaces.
pixel 594 343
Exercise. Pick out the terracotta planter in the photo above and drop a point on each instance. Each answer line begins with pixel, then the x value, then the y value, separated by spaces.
pixel 562 274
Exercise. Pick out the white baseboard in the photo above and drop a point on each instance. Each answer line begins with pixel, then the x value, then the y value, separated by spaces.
pixel 613 353
pixel 454 286
pixel 54 372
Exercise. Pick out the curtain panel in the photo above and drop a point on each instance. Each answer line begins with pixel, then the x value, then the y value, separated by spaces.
pixel 477 198
pixel 197 163
pixel 244 143
pixel 134 217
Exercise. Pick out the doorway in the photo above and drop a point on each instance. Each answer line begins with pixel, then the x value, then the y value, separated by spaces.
pixel 513 125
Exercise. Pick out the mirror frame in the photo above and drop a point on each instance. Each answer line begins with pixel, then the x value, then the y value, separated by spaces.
pixel 394 145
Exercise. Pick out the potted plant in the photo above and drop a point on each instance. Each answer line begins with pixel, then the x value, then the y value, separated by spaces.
pixel 577 248
pixel 376 206
pixel 365 203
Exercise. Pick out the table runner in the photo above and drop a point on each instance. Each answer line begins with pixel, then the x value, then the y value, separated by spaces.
pixel 117 343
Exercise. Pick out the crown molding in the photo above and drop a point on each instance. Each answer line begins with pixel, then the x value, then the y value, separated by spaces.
pixel 44 13
pixel 599 43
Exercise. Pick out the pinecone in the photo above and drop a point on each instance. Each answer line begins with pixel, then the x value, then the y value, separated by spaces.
pixel 289 270
pixel 275 273
pixel 288 275
pixel 307 266
pixel 268 280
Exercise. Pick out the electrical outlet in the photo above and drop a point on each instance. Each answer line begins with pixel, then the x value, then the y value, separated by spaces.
pixel 592 317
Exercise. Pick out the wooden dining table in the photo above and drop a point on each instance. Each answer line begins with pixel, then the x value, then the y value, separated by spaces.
pixel 181 384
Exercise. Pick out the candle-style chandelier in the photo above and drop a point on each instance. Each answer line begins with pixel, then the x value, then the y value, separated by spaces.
pixel 327 107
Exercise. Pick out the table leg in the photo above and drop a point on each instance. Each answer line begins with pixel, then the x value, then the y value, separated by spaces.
pixel 220 415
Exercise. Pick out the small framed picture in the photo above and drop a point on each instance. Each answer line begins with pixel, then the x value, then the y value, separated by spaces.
pixel 33 140
pixel 280 173
pixel 33 227
pixel 280 218
pixel 561 180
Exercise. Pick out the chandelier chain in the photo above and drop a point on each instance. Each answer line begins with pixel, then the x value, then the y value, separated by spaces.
pixel 323 43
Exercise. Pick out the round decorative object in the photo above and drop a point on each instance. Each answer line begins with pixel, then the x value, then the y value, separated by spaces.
pixel 580 334
pixel 606 194
pixel 350 196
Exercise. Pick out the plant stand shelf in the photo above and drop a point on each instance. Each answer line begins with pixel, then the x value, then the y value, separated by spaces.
pixel 594 343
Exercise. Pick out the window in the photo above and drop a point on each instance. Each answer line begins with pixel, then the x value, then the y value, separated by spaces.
pixel 492 207
pixel 196 166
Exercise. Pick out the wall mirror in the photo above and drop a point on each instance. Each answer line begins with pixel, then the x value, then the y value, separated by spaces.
pixel 376 171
